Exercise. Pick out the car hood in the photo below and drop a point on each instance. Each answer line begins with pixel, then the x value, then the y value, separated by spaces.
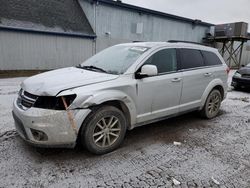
pixel 52 82
pixel 244 70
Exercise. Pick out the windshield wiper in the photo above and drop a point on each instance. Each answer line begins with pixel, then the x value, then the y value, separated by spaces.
pixel 91 68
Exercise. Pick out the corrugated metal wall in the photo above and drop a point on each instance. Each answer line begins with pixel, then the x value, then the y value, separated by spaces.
pixel 28 51
pixel 113 25
pixel 121 24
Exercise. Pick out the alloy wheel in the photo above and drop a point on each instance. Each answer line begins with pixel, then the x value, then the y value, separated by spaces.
pixel 213 104
pixel 107 131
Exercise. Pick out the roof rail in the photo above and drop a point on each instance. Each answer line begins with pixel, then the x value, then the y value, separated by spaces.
pixel 189 42
pixel 137 41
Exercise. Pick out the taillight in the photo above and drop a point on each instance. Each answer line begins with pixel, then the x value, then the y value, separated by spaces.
pixel 228 70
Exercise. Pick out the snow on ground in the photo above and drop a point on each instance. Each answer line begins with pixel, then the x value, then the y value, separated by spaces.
pixel 208 153
pixel 8 91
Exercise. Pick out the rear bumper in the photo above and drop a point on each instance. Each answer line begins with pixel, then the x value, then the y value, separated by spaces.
pixel 240 82
pixel 54 124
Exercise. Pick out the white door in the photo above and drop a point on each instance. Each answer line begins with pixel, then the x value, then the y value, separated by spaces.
pixel 196 78
pixel 159 96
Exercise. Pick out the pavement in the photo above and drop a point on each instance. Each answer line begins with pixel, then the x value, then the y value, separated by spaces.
pixel 183 152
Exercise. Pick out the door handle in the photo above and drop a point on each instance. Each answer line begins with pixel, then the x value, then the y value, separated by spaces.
pixel 208 74
pixel 176 80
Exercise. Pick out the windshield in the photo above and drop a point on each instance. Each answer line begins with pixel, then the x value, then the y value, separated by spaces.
pixel 248 65
pixel 114 60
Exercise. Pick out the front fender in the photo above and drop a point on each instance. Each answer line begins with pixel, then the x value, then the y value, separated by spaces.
pixel 211 85
pixel 110 95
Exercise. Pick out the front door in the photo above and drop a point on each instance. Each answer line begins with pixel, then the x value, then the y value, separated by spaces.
pixel 159 96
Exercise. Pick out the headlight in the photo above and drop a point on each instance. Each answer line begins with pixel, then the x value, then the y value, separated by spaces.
pixel 237 74
pixel 54 103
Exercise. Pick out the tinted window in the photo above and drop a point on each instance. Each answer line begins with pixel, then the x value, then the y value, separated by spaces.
pixel 164 60
pixel 191 58
pixel 211 58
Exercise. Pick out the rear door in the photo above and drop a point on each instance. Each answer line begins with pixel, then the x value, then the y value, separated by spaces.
pixel 196 77
pixel 214 65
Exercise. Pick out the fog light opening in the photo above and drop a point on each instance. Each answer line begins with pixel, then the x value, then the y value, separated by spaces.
pixel 39 135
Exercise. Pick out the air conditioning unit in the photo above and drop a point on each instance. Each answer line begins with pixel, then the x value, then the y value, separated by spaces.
pixel 238 29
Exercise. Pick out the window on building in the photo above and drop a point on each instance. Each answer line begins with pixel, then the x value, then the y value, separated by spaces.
pixel 164 60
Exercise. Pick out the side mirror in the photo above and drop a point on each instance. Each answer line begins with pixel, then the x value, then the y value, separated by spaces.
pixel 147 70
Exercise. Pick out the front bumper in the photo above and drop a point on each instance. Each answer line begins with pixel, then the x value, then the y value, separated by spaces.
pixel 240 81
pixel 54 124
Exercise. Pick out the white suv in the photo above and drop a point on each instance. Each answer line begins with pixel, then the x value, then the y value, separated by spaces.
pixel 122 87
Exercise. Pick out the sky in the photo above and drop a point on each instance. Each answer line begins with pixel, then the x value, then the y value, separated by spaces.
pixel 212 11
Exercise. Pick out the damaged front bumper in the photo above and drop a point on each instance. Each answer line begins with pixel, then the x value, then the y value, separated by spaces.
pixel 240 81
pixel 48 128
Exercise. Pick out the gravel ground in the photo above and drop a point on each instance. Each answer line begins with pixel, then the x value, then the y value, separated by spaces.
pixel 213 153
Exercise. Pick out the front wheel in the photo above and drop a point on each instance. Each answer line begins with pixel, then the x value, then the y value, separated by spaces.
pixel 104 130
pixel 212 105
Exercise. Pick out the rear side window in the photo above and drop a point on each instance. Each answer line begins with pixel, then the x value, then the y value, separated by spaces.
pixel 164 60
pixel 191 58
pixel 211 58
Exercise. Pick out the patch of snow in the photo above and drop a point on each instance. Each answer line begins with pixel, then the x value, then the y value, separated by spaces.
pixel 177 143
pixel 215 181
pixel 8 92
pixel 175 181
pixel 33 26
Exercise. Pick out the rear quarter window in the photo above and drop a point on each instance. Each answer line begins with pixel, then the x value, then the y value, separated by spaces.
pixel 211 58
pixel 190 58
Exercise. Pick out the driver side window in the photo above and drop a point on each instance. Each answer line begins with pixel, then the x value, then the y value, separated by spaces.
pixel 164 60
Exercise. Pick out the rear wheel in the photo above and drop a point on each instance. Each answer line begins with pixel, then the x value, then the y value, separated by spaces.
pixel 104 130
pixel 212 105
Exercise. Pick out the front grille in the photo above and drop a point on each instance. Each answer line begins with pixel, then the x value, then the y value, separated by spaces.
pixel 246 75
pixel 25 99
pixel 29 95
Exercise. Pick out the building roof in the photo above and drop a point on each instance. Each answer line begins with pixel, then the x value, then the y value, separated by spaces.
pixel 61 17
pixel 149 11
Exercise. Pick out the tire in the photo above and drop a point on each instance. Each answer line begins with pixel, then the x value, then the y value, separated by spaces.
pixel 212 105
pixel 104 130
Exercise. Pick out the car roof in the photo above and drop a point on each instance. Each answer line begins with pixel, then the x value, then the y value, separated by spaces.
pixel 170 44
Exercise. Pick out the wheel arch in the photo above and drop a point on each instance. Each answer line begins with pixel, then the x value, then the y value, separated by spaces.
pixel 221 90
pixel 115 103
pixel 121 106
pixel 215 84
pixel 115 98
